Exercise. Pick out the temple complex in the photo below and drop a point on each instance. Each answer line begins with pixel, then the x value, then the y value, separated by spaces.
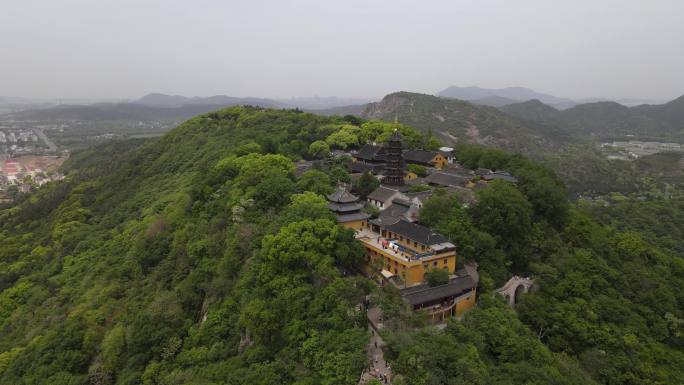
pixel 399 250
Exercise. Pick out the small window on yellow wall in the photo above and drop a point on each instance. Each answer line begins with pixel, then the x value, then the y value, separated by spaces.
pixel 446 261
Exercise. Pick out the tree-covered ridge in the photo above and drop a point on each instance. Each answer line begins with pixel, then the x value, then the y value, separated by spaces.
pixel 197 257
pixel 604 119
pixel 453 120
pixel 545 134
pixel 608 307
pixel 200 257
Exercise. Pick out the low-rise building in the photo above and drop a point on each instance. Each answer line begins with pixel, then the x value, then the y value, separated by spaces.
pixel 443 179
pixel 501 175
pixel 426 158
pixel 406 250
pixel 370 153
pixel 448 153
pixel 443 301
pixel 383 196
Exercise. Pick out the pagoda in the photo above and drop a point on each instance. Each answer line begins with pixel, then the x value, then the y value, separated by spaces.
pixel 347 208
pixel 394 170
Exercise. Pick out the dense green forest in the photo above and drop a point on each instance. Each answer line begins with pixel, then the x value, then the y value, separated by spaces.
pixel 202 258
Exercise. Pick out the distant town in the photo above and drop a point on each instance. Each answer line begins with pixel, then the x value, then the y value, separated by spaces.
pixel 635 149
pixel 31 150
pixel 28 159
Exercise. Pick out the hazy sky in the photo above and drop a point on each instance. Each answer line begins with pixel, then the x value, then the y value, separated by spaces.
pixel 353 48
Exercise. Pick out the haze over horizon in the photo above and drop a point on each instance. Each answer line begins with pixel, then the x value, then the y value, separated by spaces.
pixel 125 49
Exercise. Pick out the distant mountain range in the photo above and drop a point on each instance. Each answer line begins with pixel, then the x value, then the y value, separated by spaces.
pixel 605 119
pixel 458 113
pixel 162 100
pixel 531 127
pixel 114 112
pixel 305 103
pixel 156 106
pixel 498 97
pixel 510 93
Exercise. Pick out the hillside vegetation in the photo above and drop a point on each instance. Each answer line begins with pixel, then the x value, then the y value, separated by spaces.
pixel 454 121
pixel 182 260
pixel 200 258
pixel 563 140
pixel 608 119
pixel 608 309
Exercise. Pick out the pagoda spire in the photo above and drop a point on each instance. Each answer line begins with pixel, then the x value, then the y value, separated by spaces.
pixel 394 171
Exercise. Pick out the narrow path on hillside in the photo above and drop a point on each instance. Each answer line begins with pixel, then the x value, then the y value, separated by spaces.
pixel 379 368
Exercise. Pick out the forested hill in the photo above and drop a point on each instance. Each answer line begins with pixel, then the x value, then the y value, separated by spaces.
pixel 455 120
pixel 606 119
pixel 190 249
pixel 563 140
pixel 202 258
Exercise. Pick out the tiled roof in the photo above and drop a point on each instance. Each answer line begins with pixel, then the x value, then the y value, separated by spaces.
pixel 419 156
pixel 418 233
pixel 352 217
pixel 345 207
pixel 500 175
pixel 417 295
pixel 447 180
pixel 341 195
pixel 382 194
pixel 421 195
pixel 369 152
pixel 359 167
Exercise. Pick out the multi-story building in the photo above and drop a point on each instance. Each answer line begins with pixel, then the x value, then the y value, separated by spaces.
pixel 404 253
pixel 347 208
pixel 407 250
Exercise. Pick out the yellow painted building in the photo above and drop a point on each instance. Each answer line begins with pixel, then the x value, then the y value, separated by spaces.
pixel 444 301
pixel 407 250
pixel 467 302
pixel 426 158
pixel 410 175
pixel 404 252
pixel 440 161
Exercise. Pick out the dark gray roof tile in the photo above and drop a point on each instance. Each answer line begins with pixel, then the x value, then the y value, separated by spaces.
pixel 417 295
pixel 419 156
pixel 416 232
pixel 447 180
pixel 382 194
